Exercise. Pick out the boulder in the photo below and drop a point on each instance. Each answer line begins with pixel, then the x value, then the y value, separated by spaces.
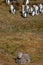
pixel 23 59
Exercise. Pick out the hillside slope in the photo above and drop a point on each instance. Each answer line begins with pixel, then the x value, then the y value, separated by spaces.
pixel 20 34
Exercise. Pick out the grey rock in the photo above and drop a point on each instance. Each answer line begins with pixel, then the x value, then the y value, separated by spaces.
pixel 27 57
pixel 23 59
pixel 19 55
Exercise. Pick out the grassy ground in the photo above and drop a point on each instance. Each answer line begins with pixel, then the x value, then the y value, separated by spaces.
pixel 20 34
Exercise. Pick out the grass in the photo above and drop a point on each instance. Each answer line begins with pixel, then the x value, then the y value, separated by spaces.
pixel 20 34
pixel 13 44
pixel 15 23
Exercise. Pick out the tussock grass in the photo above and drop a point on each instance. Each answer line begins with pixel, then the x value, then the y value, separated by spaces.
pixel 20 34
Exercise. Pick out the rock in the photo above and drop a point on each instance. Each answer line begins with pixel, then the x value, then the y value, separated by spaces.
pixel 19 55
pixel 23 59
pixel 27 57
pixel 20 61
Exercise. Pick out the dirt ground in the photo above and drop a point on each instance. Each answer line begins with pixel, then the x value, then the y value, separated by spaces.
pixel 20 34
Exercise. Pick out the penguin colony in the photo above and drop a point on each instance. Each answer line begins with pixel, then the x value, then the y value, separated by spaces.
pixel 26 9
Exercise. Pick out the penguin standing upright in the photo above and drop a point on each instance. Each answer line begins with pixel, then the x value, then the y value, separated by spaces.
pixel 12 9
pixel 24 14
pixel 36 9
pixel 7 1
pixel 26 2
pixel 41 8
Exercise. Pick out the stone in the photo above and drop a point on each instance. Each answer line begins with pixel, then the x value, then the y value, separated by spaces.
pixel 27 57
pixel 23 59
pixel 19 55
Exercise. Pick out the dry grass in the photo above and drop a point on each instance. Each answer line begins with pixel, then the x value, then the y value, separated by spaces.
pixel 30 43
pixel 20 34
